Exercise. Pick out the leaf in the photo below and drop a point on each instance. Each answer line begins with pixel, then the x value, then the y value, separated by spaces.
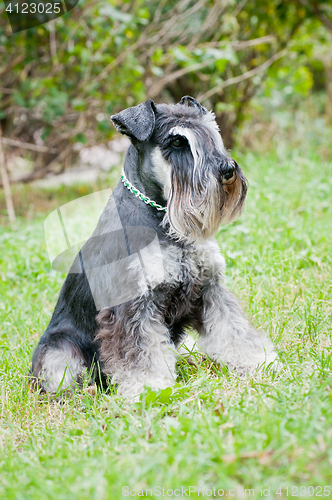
pixel 180 54
pixel 115 14
pixel 81 138
pixel 157 71
pixel 227 54
pixel 162 396
pixel 75 432
pixel 263 456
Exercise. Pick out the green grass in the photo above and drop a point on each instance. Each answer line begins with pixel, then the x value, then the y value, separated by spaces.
pixel 213 430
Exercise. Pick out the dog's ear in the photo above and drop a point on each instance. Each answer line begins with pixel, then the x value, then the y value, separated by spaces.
pixel 136 122
pixel 190 101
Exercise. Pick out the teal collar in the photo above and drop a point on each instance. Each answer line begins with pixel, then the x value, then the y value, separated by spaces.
pixel 140 195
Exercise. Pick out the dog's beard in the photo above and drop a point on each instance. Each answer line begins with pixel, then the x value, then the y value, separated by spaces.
pixel 195 213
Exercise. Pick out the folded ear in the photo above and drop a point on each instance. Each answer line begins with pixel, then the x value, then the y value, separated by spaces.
pixel 136 122
pixel 190 101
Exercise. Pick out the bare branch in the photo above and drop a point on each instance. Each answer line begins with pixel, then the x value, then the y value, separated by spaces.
pixel 13 63
pixel 27 145
pixel 6 185
pixel 244 76
pixel 324 19
pixel 161 83
pixel 239 45
pixel 209 22
pixel 40 173
pixel 59 157
pixel 238 8
pixel 6 91
pixel 53 43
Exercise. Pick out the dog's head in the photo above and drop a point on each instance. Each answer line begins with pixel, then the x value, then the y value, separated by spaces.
pixel 182 162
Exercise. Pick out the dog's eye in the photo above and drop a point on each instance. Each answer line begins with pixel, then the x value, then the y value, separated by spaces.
pixel 179 142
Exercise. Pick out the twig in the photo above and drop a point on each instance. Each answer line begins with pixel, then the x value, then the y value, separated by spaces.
pixel 6 185
pixel 40 173
pixel 244 76
pixel 12 64
pixel 27 145
pixel 238 8
pixel 61 156
pixel 53 43
pixel 213 16
pixel 160 84
pixel 239 45
pixel 324 19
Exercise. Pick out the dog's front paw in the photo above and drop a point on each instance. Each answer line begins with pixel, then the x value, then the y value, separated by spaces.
pixel 271 362
pixel 131 389
pixel 263 363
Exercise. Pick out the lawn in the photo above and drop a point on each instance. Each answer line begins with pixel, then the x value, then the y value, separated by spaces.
pixel 271 433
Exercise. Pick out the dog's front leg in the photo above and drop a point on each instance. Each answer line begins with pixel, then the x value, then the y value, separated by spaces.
pixel 136 350
pixel 226 335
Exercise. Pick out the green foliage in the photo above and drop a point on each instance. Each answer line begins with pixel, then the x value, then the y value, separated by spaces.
pixel 104 56
pixel 55 90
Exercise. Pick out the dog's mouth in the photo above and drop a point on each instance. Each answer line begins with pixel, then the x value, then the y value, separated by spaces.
pixel 199 203
pixel 198 216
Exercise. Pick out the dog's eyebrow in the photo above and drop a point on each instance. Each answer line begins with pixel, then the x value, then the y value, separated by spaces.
pixel 184 132
pixel 190 136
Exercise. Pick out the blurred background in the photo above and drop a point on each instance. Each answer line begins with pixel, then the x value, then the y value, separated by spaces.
pixel 264 67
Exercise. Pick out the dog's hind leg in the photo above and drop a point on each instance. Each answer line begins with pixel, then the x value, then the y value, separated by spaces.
pixel 136 349
pixel 57 367
pixel 226 335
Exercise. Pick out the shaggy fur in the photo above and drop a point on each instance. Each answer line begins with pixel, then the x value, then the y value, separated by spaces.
pixel 145 276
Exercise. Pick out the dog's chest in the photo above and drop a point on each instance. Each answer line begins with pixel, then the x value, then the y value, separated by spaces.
pixel 190 267
pixel 187 270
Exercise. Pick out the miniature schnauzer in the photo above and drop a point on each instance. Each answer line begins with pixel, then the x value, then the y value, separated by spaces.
pixel 152 268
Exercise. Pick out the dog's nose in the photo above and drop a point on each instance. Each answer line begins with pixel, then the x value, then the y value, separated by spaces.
pixel 227 170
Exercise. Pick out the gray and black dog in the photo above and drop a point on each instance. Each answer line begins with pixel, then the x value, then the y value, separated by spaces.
pixel 152 268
